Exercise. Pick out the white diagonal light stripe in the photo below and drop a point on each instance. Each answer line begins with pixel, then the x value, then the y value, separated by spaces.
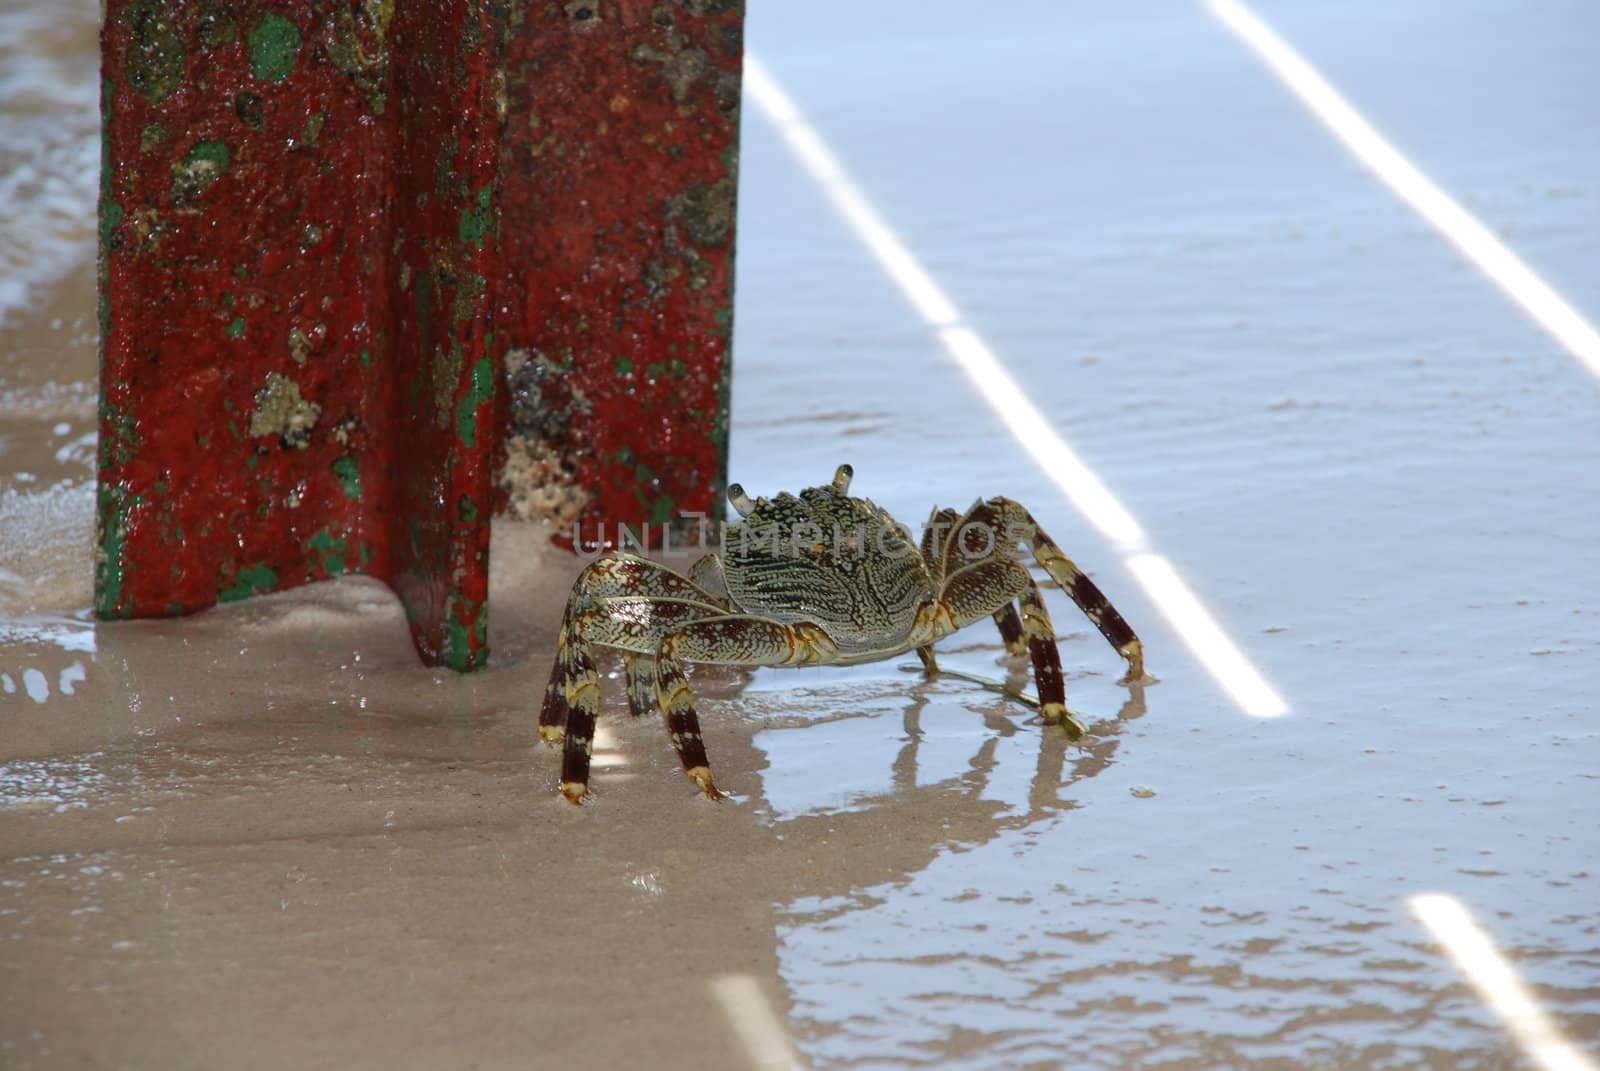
pixel 756 1024
pixel 1200 631
pixel 1497 983
pixel 1204 637
pixel 1475 241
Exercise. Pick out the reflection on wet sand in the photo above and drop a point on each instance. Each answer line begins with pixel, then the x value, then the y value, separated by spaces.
pixel 1021 940
pixel 916 871
pixel 270 811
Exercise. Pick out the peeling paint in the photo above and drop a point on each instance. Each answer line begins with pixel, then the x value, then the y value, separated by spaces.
pixel 477 220
pixel 155 65
pixel 334 550
pixel 480 392
pixel 256 580
pixel 348 470
pixel 201 166
pixel 705 212
pixel 642 275
pixel 245 263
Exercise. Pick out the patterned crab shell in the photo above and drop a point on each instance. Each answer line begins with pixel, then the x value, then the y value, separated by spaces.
pixel 841 563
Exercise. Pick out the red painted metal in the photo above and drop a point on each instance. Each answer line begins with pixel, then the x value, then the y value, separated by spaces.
pixel 619 194
pixel 311 280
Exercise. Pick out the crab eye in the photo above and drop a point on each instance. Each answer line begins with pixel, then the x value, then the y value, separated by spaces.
pixel 841 479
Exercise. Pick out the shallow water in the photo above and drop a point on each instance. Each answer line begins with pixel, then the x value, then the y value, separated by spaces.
pixel 264 836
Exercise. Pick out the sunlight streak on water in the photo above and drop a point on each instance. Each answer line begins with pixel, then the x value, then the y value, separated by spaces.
pixel 1006 398
pixel 1206 639
pixel 753 1020
pixel 1475 241
pixel 1496 982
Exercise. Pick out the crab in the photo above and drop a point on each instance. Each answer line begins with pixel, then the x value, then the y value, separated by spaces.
pixel 818 578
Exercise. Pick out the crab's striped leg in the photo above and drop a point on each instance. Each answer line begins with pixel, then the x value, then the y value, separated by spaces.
pixel 1047 677
pixel 730 640
pixel 1010 626
pixel 683 723
pixel 936 536
pixel 1088 597
pixel 640 670
pixel 571 702
pixel 941 522
pixel 1013 523
pixel 618 601
pixel 634 623
pixel 614 576
pixel 972 591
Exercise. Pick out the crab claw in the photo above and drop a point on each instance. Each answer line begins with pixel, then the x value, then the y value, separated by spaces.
pixel 841 479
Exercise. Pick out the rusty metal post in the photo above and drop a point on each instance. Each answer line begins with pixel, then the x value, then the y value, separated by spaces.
pixel 621 167
pixel 332 236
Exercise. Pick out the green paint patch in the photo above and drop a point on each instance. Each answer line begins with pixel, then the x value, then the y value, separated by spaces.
pixel 110 219
pixel 334 550
pixel 152 136
pixel 673 369
pixel 477 220
pixel 480 391
pixel 366 358
pixel 119 434
pixel 348 469
pixel 719 425
pixel 458 645
pixel 274 44
pixel 236 328
pixel 256 580
pixel 465 648
pixel 623 366
pixel 113 506
pixel 200 167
